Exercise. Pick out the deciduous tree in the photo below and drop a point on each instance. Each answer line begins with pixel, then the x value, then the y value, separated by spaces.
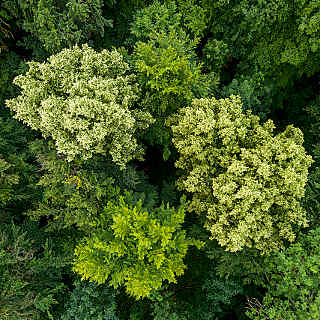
pixel 84 100
pixel 245 179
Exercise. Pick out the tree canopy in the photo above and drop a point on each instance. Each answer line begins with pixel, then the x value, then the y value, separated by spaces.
pixel 159 159
pixel 84 101
pixel 244 178
pixel 135 248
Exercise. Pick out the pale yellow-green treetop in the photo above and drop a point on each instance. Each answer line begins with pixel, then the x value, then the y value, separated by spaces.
pixel 84 100
pixel 243 177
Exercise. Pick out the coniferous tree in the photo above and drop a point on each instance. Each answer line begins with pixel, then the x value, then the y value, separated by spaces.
pixel 135 247
pixel 293 286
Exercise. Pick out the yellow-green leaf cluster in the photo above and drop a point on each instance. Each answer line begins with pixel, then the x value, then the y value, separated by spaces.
pixel 247 180
pixel 83 100
pixel 135 248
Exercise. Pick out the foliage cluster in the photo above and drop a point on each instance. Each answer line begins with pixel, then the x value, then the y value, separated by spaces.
pixel 294 284
pixel 160 151
pixel 246 180
pixel 57 24
pixel 82 99
pixel 135 247
pixel 31 272
pixel 166 65
pixel 90 301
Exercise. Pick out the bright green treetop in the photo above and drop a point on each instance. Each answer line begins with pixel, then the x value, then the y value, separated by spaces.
pixel 135 248
pixel 164 56
pixel 83 100
pixel 247 180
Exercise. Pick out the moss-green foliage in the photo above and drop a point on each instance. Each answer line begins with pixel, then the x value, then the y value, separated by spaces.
pixel 82 99
pixel 247 264
pixel 199 294
pixel 58 24
pixel 7 180
pixel 164 57
pixel 31 272
pixel 135 247
pixel 11 66
pixel 18 176
pixel 5 32
pixel 215 54
pixel 75 193
pixel 166 65
pixel 184 18
pixel 312 129
pixel 278 36
pixel 244 178
pixel 90 301
pixel 293 285
pixel 255 94
pixel 278 39
pixel 168 76
pixel 193 16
